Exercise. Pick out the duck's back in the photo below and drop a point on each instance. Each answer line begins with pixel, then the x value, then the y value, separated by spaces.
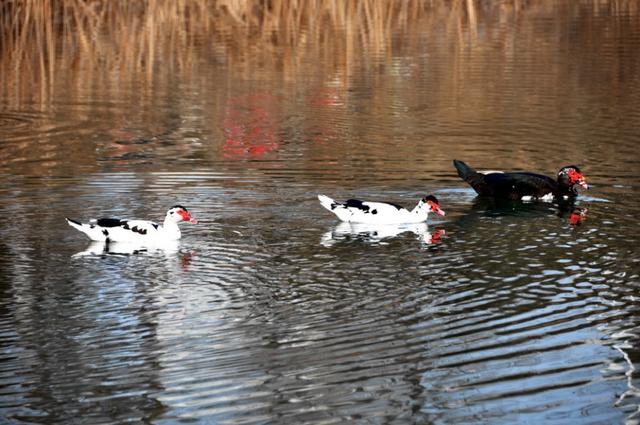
pixel 518 185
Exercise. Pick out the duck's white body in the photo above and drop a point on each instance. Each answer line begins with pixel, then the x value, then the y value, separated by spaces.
pixel 356 211
pixel 135 231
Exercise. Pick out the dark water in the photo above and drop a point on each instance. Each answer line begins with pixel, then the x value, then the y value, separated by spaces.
pixel 268 311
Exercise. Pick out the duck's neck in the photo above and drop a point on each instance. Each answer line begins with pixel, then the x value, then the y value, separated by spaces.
pixel 565 190
pixel 419 212
pixel 170 228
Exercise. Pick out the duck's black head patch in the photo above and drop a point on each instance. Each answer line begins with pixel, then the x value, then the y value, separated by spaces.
pixel 568 167
pixel 431 198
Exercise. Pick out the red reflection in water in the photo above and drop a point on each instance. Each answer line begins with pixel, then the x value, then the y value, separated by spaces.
pixel 577 216
pixel 186 258
pixel 436 236
pixel 249 127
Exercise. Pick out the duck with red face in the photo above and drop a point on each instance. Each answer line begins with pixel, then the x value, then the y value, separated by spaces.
pixel 357 211
pixel 118 230
pixel 523 185
pixel 570 176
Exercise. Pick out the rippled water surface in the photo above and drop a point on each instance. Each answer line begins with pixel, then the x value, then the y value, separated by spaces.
pixel 269 310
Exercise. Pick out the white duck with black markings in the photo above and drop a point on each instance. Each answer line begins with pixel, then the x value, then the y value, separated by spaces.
pixel 139 231
pixel 357 211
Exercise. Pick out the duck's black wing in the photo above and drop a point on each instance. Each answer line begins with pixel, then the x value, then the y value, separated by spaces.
pixel 519 185
pixel 141 227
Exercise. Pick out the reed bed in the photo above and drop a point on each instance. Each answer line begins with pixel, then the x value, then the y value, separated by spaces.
pixel 90 41
pixel 110 53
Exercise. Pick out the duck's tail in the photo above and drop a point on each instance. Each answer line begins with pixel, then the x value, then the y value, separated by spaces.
pixel 75 224
pixel 91 231
pixel 327 202
pixel 471 176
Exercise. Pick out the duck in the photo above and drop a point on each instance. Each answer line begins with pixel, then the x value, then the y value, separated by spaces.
pixel 137 231
pixel 357 211
pixel 525 186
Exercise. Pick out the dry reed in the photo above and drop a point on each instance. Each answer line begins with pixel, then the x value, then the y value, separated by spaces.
pixel 106 40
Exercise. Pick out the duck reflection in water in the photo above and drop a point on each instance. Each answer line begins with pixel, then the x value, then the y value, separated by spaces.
pixel 168 249
pixel 378 233
pixel 489 207
pixel 578 216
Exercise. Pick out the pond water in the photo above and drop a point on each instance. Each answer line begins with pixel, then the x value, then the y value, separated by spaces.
pixel 268 310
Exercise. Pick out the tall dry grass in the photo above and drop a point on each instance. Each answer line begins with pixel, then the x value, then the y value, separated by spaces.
pixel 93 41
pixel 124 51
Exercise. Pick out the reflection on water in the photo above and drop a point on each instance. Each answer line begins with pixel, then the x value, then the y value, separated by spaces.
pixel 574 214
pixel 167 248
pixel 577 216
pixel 269 310
pixel 249 127
pixel 377 233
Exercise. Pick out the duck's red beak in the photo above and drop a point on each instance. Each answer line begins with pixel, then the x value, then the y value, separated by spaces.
pixel 187 217
pixel 435 208
pixel 583 182
pixel 577 177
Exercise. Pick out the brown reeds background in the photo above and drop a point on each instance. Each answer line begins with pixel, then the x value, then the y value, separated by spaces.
pixel 132 53
pixel 115 41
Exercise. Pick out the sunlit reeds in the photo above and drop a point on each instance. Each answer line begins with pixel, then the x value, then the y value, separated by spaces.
pixel 94 39
pixel 89 40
